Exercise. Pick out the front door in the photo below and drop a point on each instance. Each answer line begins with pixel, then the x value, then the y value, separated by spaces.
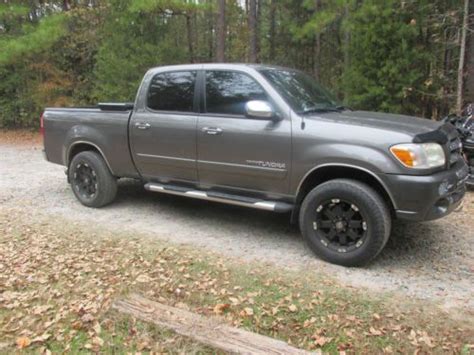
pixel 235 150
pixel 163 133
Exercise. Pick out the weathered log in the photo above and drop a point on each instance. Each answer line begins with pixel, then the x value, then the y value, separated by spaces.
pixel 209 331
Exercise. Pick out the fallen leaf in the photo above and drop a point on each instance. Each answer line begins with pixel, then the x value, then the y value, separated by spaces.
pixel 293 308
pixel 87 318
pixel 248 311
pixel 23 342
pixel 427 340
pixel 144 345
pixel 309 322
pixel 375 332
pixel 76 325
pixel 234 300
pixel 97 329
pixel 98 341
pixel 40 309
pixel 221 307
pixel 143 278
pixel 321 340
pixel 41 338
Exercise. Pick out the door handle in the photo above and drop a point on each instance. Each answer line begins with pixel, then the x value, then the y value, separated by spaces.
pixel 142 125
pixel 213 131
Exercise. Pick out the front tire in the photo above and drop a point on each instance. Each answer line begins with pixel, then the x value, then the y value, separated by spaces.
pixel 91 180
pixel 470 179
pixel 345 222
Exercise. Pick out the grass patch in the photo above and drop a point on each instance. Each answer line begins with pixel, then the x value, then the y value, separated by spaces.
pixel 57 282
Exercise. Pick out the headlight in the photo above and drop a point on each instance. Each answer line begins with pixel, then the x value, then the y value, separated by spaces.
pixel 419 156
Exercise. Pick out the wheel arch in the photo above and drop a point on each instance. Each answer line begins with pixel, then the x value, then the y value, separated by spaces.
pixel 83 146
pixel 326 172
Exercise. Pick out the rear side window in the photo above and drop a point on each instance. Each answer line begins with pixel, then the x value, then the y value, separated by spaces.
pixel 227 92
pixel 173 91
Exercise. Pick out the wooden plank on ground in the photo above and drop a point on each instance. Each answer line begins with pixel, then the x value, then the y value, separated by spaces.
pixel 210 331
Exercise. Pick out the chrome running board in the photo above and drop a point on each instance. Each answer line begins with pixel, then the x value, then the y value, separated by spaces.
pixel 236 200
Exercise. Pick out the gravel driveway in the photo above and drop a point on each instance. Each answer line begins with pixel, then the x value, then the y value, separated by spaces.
pixel 432 260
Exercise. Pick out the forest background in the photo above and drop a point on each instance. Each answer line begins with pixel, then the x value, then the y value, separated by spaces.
pixel 413 57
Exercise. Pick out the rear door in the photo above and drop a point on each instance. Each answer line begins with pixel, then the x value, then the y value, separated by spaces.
pixel 163 132
pixel 236 151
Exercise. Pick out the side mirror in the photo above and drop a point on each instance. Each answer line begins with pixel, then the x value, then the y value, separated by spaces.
pixel 259 109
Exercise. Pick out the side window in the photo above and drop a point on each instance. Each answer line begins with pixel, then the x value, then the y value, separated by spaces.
pixel 227 92
pixel 173 91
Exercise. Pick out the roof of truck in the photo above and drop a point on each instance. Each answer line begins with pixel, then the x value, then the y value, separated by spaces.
pixel 198 66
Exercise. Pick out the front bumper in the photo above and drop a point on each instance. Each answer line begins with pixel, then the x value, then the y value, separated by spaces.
pixel 422 198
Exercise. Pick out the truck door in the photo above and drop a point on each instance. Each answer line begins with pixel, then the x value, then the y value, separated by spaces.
pixel 163 132
pixel 235 150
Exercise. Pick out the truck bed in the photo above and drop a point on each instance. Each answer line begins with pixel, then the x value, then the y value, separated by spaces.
pixel 105 127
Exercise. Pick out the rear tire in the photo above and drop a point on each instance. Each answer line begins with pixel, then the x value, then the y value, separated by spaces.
pixel 345 222
pixel 91 180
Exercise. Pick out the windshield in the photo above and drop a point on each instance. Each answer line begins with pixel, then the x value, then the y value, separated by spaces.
pixel 301 91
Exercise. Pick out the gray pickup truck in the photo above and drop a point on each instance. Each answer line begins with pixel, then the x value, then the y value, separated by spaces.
pixel 268 138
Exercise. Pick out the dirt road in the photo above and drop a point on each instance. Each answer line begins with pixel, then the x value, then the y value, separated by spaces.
pixel 433 260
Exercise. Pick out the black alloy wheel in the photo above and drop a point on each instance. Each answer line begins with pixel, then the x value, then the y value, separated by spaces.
pixel 85 180
pixel 345 222
pixel 91 179
pixel 340 225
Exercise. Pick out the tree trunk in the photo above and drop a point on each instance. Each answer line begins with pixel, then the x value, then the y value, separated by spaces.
pixel 257 29
pixel 66 5
pixel 252 18
pixel 347 40
pixel 220 50
pixel 195 36
pixel 469 64
pixel 272 29
pixel 317 56
pixel 317 48
pixel 446 67
pixel 189 31
pixel 462 56
pixel 210 32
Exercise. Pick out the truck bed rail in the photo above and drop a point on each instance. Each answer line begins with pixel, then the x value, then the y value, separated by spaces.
pixel 116 106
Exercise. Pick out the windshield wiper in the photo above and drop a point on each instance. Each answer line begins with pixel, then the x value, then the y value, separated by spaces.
pixel 320 109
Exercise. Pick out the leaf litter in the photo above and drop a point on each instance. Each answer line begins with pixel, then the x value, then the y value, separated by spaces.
pixel 57 282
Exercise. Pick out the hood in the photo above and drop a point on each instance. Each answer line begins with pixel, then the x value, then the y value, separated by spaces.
pixel 399 123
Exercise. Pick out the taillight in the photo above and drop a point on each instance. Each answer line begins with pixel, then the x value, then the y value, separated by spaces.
pixel 42 124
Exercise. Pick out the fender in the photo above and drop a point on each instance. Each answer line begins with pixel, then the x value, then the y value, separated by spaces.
pixel 84 134
pixel 87 143
pixel 371 173
pixel 111 141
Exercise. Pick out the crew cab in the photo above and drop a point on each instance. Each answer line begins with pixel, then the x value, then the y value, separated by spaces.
pixel 268 138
